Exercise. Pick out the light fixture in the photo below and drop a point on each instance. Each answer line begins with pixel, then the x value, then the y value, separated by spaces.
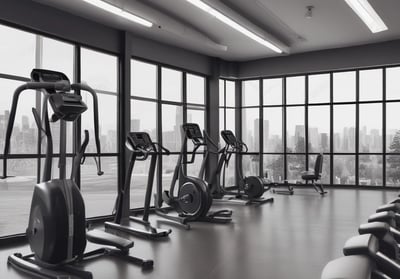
pixel 367 13
pixel 119 12
pixel 201 5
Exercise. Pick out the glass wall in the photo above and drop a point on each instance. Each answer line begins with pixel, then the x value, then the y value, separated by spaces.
pixel 349 116
pixel 19 54
pixel 227 107
pixel 161 100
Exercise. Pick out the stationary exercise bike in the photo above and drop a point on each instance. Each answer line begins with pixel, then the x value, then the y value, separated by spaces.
pixel 193 200
pixel 57 226
pixel 250 188
pixel 141 146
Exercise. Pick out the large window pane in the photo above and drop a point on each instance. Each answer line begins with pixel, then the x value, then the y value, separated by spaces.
pixel 393 170
pixel 250 128
pixel 295 132
pixel 98 192
pixel 230 119
pixel 143 79
pixel 295 90
pixel 24 135
pixel 16 196
pixel 17 52
pixel 344 87
pixel 221 93
pixel 250 93
pixel 273 130
pixel 144 117
pixel 371 85
pixel 370 128
pixel 344 132
pixel 107 122
pixel 392 127
pixel 251 165
pixel 230 94
pixel 58 56
pixel 195 89
pixel 171 127
pixel 344 169
pixel 392 83
pixel 296 164
pixel 319 88
pixel 221 123
pixel 318 128
pixel 99 70
pixel 171 85
pixel 272 91
pixel 370 170
pixel 326 167
pixel 274 167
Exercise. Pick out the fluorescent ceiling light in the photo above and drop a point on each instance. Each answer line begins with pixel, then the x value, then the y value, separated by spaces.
pixel 119 12
pixel 234 25
pixel 367 13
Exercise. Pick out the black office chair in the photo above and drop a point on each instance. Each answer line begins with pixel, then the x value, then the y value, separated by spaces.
pixel 315 175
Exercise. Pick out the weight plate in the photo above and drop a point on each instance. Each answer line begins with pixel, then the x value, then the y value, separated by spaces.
pixel 254 187
pixel 190 199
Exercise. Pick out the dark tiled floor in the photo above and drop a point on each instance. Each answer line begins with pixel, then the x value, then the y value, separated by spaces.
pixel 292 238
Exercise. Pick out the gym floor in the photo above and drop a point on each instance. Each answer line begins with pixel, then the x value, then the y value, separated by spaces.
pixel 292 238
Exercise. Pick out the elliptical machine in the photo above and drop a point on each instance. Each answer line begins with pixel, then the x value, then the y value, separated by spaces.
pixel 193 200
pixel 57 226
pixel 250 188
pixel 141 146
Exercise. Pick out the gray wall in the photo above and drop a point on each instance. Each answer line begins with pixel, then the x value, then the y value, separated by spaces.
pixel 327 60
pixel 48 20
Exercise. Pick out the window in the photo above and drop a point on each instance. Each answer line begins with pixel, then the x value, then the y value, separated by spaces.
pixel 295 135
pixel 344 169
pixel 251 165
pixel 319 88
pixel 371 85
pixel 58 56
pixel 344 87
pixel 250 93
pixel 370 133
pixel 143 79
pixel 99 70
pixel 344 133
pixel 17 52
pixel 272 129
pixel 319 129
pixel 172 119
pixel 250 128
pixel 274 167
pixel 171 85
pixel 295 90
pixel 195 89
pixel 393 83
pixel 144 117
pixel 370 170
pixel 339 114
pixel 230 94
pixel 272 89
pixel 392 128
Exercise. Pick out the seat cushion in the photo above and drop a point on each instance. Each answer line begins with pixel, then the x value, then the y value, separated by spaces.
pixel 309 176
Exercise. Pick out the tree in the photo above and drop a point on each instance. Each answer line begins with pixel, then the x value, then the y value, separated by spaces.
pixel 393 169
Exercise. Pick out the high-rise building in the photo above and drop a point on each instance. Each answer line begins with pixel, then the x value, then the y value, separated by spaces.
pixel 135 125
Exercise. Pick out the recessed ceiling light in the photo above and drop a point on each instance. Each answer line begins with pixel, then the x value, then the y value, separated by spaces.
pixel 205 7
pixel 119 12
pixel 367 13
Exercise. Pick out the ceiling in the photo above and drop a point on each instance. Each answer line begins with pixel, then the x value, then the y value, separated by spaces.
pixel 179 23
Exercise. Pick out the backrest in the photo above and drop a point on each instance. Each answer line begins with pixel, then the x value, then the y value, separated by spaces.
pixel 318 164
